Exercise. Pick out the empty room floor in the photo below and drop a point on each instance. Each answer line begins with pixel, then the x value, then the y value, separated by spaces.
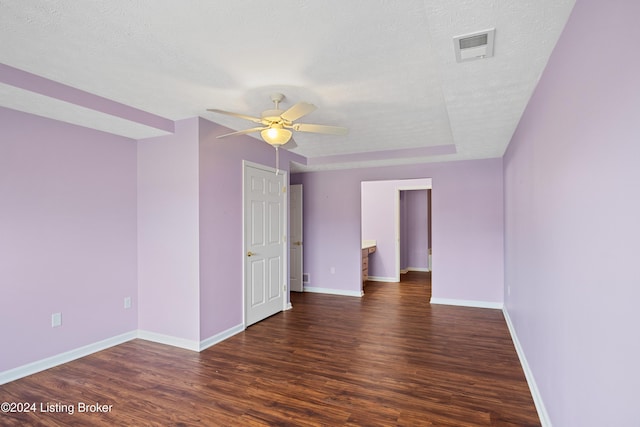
pixel 387 359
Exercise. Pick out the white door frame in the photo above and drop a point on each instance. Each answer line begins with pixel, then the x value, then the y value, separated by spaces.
pixel 285 245
pixel 427 186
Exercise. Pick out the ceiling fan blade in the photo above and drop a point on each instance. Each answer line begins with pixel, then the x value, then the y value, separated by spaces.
pixel 297 111
pixel 241 116
pixel 243 132
pixel 332 130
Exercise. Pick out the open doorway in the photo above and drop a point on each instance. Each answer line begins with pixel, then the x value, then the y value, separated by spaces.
pixel 381 223
pixel 415 238
pixel 414 230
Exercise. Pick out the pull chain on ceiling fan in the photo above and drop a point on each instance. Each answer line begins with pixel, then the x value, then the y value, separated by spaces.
pixel 277 125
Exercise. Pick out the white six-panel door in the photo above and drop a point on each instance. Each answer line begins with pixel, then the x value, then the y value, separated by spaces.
pixel 264 243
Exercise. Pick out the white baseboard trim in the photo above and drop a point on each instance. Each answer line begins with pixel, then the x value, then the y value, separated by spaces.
pixel 382 279
pixel 468 303
pixel 533 387
pixel 408 269
pixel 206 343
pixel 67 356
pixel 333 291
pixel 288 307
pixel 169 340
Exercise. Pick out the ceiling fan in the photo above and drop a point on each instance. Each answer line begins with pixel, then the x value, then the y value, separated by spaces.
pixel 276 125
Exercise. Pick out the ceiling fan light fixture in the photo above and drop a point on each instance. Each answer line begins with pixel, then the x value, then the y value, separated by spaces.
pixel 276 125
pixel 276 135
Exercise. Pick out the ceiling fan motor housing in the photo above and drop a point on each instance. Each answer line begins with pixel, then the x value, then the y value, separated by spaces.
pixel 272 115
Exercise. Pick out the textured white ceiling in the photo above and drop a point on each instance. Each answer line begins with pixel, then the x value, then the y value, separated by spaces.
pixel 383 68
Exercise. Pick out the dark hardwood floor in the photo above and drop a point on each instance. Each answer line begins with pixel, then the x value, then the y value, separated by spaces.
pixel 387 359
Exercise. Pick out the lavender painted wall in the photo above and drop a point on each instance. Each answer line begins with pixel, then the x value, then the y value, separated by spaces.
pixel 221 222
pixel 168 234
pixel 68 236
pixel 190 225
pixel 331 228
pixel 378 209
pixel 467 226
pixel 572 228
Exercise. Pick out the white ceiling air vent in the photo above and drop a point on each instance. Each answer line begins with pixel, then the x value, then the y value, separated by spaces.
pixel 474 46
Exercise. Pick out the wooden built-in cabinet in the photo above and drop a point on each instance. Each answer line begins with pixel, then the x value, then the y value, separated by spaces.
pixel 365 261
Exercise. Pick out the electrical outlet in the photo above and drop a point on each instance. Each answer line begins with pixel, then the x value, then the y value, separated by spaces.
pixel 333 270
pixel 56 320
pixel 127 302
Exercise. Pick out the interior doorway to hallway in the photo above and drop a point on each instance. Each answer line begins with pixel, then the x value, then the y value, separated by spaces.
pixel 381 221
pixel 414 222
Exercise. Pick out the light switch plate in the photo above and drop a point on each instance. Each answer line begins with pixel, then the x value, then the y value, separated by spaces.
pixel 56 320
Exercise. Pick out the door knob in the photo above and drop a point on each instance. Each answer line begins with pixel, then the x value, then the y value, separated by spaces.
pixel 250 253
pixel 298 243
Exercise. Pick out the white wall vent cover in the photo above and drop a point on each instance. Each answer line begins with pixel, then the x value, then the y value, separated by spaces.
pixel 474 46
